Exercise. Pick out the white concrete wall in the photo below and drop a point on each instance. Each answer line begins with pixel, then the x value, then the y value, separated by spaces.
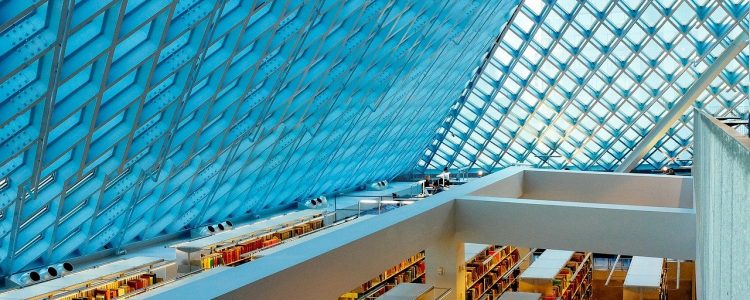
pixel 722 190
pixel 603 228
pixel 596 187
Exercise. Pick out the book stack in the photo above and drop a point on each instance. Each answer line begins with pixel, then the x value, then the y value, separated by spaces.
pixel 284 233
pixel 211 261
pixel 410 274
pixel 302 229
pixel 270 242
pixel 571 282
pixel 580 286
pixel 234 249
pixel 393 271
pixel 410 270
pixel 115 289
pixel 490 273
pixel 231 255
pixel 251 245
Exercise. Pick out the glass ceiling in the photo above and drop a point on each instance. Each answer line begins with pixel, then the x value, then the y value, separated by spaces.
pixel 577 84
pixel 125 121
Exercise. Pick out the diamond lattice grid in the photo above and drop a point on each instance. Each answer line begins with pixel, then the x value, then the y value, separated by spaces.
pixel 577 84
pixel 123 121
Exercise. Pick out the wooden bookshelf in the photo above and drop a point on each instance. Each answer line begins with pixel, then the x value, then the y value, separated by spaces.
pixel 410 291
pixel 489 270
pixel 119 279
pixel 520 296
pixel 645 279
pixel 560 275
pixel 233 247
pixel 411 270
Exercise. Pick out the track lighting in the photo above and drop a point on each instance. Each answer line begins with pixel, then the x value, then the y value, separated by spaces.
pixel 26 278
pixel 48 273
pixel 380 185
pixel 317 202
pixel 44 274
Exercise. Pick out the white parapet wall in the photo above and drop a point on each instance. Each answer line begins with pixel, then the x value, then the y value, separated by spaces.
pixel 722 191
pixel 622 213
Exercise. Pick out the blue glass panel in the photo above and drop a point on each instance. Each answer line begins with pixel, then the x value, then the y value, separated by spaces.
pixel 125 121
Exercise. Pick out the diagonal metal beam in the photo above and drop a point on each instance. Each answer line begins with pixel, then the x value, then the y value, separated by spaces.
pixel 700 85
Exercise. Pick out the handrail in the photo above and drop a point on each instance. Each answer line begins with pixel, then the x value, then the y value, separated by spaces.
pixel 606 283
pixel 581 267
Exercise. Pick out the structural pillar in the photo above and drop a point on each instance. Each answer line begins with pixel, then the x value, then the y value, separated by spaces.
pixel 444 256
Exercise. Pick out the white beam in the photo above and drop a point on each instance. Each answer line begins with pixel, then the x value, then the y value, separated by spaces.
pixel 700 85
pixel 601 228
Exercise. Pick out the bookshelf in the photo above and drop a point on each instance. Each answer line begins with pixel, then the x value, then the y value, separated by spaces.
pixel 236 246
pixel 119 279
pixel 410 291
pixel 520 296
pixel 645 279
pixel 490 270
pixel 410 270
pixel 560 275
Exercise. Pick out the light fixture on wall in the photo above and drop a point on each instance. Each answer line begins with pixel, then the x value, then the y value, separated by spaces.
pixel 50 272
pixel 377 186
pixel 63 268
pixel 26 278
pixel 318 202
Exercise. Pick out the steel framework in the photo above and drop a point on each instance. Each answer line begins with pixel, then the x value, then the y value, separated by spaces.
pixel 126 120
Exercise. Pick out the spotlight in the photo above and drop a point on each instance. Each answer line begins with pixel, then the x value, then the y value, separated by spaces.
pixel 27 278
pixel 65 267
pixel 47 273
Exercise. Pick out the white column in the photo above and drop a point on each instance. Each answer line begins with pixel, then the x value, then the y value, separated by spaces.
pixel 445 265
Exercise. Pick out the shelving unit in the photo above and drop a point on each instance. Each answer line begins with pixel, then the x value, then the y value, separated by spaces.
pixel 409 291
pixel 557 274
pixel 236 246
pixel 520 296
pixel 411 270
pixel 489 270
pixel 119 279
pixel 645 279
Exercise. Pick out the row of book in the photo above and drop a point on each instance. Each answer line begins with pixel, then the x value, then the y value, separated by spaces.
pixel 115 289
pixel 492 282
pixel 504 284
pixel 393 271
pixel 485 261
pixel 411 269
pixel 582 281
pixel 411 274
pixel 234 254
pixel 565 287
pixel 415 273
